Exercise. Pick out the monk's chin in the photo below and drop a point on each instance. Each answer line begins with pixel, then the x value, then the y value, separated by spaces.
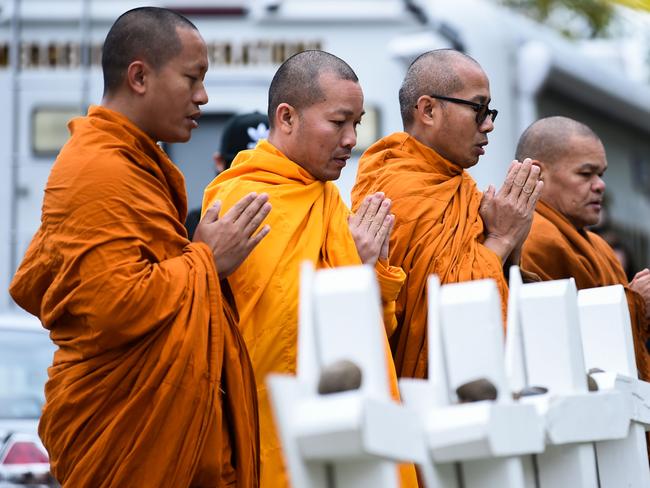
pixel 179 138
pixel 468 164
pixel 331 176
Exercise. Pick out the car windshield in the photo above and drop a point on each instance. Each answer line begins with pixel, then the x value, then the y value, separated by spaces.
pixel 25 356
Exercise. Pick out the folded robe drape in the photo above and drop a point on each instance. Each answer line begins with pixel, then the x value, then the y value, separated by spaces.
pixel 556 250
pixel 438 230
pixel 308 222
pixel 151 384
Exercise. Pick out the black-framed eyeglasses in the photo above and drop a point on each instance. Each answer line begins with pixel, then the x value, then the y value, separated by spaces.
pixel 482 109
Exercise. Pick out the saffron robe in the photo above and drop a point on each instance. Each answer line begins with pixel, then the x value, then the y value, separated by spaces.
pixel 438 230
pixel 308 222
pixel 151 384
pixel 556 249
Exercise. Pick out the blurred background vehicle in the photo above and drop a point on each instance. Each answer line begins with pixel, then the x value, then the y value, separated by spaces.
pixel 25 354
pixel 50 71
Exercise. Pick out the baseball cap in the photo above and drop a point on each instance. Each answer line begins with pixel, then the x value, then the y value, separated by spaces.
pixel 242 132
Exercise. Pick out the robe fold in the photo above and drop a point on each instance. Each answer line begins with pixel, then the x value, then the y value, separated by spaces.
pixel 309 221
pixel 438 230
pixel 556 250
pixel 151 384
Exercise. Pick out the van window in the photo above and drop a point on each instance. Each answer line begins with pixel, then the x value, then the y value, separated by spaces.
pixel 50 129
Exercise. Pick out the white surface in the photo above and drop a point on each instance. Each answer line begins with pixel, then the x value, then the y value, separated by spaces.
pixel 514 348
pixel 551 336
pixel 472 327
pixel 606 330
pixel 349 325
pixel 356 436
pixel 608 344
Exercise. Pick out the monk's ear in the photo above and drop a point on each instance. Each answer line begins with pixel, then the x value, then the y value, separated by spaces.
pixel 285 118
pixel 136 76
pixel 424 110
pixel 543 167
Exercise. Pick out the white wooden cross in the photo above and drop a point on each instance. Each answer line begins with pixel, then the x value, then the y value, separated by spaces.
pixel 546 350
pixel 353 438
pixel 580 439
pixel 465 338
pixel 608 345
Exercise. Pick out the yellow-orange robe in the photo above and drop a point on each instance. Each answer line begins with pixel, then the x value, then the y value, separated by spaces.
pixel 555 249
pixel 438 230
pixel 151 384
pixel 308 222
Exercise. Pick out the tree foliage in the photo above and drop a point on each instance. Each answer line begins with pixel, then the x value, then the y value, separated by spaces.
pixel 595 15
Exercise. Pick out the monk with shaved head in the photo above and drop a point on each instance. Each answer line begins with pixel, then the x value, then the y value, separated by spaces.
pixel 573 162
pixel 151 384
pixel 444 224
pixel 315 105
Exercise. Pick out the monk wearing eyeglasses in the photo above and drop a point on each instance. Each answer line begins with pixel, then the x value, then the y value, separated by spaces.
pixel 444 225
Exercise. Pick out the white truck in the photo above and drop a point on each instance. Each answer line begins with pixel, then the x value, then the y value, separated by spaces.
pixel 50 71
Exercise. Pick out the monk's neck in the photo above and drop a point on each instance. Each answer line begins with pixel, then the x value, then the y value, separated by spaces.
pixel 284 148
pixel 581 229
pixel 420 135
pixel 124 107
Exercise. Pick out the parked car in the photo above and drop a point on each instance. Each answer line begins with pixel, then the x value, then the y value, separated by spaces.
pixel 25 354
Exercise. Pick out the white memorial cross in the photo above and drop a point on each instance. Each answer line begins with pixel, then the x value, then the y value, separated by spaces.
pixel 353 438
pixel 465 341
pixel 608 346
pixel 546 329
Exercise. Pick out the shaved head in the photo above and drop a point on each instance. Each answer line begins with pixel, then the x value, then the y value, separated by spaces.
pixel 573 162
pixel 551 138
pixel 297 81
pixel 147 34
pixel 434 72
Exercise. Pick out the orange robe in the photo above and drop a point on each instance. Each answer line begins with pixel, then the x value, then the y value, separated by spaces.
pixel 556 250
pixel 308 222
pixel 438 230
pixel 151 384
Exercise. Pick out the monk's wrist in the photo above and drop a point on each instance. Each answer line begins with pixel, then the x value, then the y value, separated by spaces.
pixel 514 258
pixel 500 245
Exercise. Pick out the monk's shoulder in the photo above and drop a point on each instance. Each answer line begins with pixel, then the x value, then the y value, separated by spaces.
pixel 545 246
pixel 230 190
pixel 468 185
pixel 88 178
pixel 102 162
pixel 601 245
pixel 597 240
pixel 544 231
pixel 332 191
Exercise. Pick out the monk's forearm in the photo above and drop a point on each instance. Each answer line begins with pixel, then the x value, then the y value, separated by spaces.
pixel 501 247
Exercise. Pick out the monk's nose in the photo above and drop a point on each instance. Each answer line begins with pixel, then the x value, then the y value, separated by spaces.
pixel 349 137
pixel 599 185
pixel 487 125
pixel 201 95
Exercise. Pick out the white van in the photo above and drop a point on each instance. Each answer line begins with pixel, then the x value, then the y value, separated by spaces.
pixel 25 354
